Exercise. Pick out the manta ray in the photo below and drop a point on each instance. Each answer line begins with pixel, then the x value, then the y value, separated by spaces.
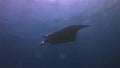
pixel 67 34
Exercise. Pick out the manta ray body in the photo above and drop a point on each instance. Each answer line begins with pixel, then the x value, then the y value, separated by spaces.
pixel 67 34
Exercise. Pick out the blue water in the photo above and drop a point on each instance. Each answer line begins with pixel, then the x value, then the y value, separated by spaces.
pixel 24 22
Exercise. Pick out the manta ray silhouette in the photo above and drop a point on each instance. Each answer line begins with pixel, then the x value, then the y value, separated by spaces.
pixel 65 35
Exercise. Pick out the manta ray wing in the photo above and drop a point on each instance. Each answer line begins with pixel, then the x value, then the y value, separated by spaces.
pixel 67 34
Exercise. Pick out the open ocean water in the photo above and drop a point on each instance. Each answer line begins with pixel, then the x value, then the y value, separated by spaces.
pixel 24 22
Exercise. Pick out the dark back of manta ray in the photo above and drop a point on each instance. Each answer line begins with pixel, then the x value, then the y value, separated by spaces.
pixel 65 35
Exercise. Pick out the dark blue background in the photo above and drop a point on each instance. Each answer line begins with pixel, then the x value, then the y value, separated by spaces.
pixel 23 23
